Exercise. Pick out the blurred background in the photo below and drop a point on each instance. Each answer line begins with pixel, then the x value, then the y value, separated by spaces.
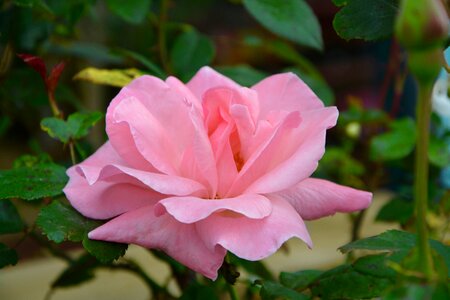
pixel 370 148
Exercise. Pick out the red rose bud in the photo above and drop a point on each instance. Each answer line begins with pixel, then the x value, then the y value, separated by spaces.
pixel 421 24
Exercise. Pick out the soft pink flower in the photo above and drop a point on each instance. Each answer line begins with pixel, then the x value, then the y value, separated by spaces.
pixel 207 167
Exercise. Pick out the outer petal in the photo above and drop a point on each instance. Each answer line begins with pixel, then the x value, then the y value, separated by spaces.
pixel 254 239
pixel 285 92
pixel 180 241
pixel 207 78
pixel 315 198
pixel 193 209
pixel 104 200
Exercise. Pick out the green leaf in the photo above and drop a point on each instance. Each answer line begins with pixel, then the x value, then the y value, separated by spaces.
pixel 299 280
pixel 10 221
pixel 344 282
pixel 291 19
pixel 60 222
pixel 377 265
pixel 76 126
pixel 114 77
pixel 396 210
pixel 29 183
pixel 198 291
pixel 272 290
pixel 190 52
pixel 8 256
pixel 397 143
pixel 151 66
pixel 439 152
pixel 365 19
pixel 414 291
pixel 242 74
pixel 79 271
pixel 132 11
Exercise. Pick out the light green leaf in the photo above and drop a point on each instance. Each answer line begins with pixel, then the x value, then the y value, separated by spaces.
pixel 365 19
pixel 132 11
pixel 29 183
pixel 291 19
pixel 439 152
pixel 8 256
pixel 76 126
pixel 10 221
pixel 242 74
pixel 114 77
pixel 190 52
pixel 397 143
pixel 60 222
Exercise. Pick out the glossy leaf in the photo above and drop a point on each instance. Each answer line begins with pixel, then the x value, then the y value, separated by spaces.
pixel 114 77
pixel 397 143
pixel 76 126
pixel 60 222
pixel 190 52
pixel 365 19
pixel 10 221
pixel 132 11
pixel 272 290
pixel 291 19
pixel 29 183
pixel 344 282
pixel 8 256
pixel 299 280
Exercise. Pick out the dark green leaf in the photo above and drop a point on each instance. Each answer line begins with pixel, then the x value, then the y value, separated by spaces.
pixel 414 291
pixel 76 126
pixel 60 222
pixel 42 180
pixel 151 66
pixel 190 52
pixel 376 265
pixel 253 267
pixel 104 251
pixel 79 271
pixel 10 221
pixel 391 240
pixel 397 143
pixel 344 282
pixel 199 292
pixel 8 256
pixel 243 74
pixel 365 19
pixel 299 280
pixel 439 152
pixel 272 290
pixel 396 210
pixel 291 19
pixel 133 11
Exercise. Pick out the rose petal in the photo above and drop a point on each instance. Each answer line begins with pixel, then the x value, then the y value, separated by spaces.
pixel 315 198
pixel 180 241
pixel 292 162
pixel 193 209
pixel 254 239
pixel 285 92
pixel 107 199
pixel 207 78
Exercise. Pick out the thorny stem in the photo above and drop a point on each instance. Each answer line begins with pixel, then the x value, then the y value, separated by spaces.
pixel 162 45
pixel 421 177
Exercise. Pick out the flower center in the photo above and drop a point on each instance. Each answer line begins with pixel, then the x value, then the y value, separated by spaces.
pixel 239 161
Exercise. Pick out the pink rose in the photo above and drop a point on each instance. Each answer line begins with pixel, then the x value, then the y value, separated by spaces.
pixel 207 167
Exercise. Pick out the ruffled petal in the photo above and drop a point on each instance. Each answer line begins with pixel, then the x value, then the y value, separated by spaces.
pixel 254 239
pixel 285 92
pixel 180 241
pixel 315 198
pixel 207 78
pixel 193 209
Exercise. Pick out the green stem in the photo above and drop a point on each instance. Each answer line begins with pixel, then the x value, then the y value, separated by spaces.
pixel 232 291
pixel 421 178
pixel 72 152
pixel 55 110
